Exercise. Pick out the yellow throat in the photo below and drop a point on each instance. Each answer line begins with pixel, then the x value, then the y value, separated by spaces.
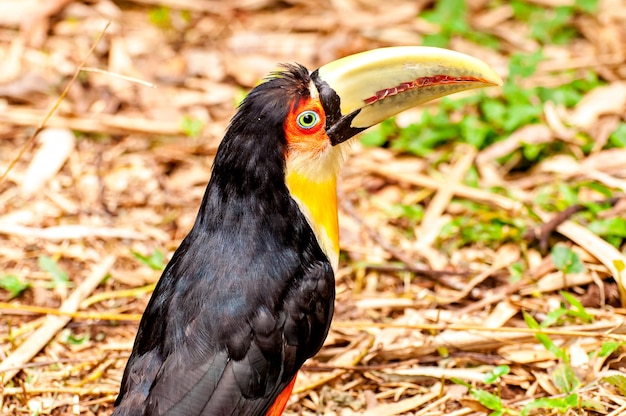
pixel 312 182
pixel 318 202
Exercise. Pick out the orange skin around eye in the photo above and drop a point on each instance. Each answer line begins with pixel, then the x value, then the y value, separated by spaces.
pixel 311 141
pixel 312 166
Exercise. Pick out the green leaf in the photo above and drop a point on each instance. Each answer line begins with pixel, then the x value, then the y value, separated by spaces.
pixel 496 373
pixel 568 193
pixel 524 65
pixel 554 26
pixel 490 378
pixel 485 39
pixel 422 138
pixel 488 229
pixel 516 270
pixel 77 339
pixel 608 347
pixel 59 277
pixel 618 381
pixel 519 115
pixel 553 317
pixel 579 310
pixel 472 177
pixel 594 207
pixel 502 370
pixel 609 227
pixel 587 6
pixel 460 382
pixel 564 378
pixel 532 151
pixel 566 260
pixel 373 137
pixel 380 135
pixel 494 111
pixel 589 82
pixel 522 10
pixel 414 213
pixel 191 127
pixel 567 95
pixel 562 404
pixel 545 340
pixel 13 284
pixel 160 17
pixel 618 137
pixel 156 260
pixel 438 40
pixel 66 336
pixel 474 131
pixel 489 400
pixel 451 15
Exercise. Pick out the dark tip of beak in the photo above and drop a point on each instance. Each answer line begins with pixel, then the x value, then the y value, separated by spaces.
pixel 338 126
pixel 342 130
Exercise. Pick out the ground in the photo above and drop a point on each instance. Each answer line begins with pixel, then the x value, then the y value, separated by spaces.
pixel 482 254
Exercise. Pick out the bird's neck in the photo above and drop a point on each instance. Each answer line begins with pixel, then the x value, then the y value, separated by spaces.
pixel 313 185
pixel 318 202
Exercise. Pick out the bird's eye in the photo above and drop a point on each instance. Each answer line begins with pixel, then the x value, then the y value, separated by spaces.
pixel 308 119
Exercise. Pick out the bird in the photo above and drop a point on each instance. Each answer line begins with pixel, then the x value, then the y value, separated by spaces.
pixel 248 296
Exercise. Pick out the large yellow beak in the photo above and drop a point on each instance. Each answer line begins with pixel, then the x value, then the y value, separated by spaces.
pixel 362 90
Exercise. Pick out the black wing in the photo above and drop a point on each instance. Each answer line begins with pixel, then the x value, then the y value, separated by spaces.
pixel 235 315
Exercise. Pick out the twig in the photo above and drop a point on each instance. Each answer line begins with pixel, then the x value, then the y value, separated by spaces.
pixel 120 76
pixel 609 330
pixel 462 191
pixel 430 225
pixel 79 391
pixel 436 276
pixel 54 108
pixel 70 232
pixel 92 123
pixel 546 230
pixel 8 308
pixel 40 338
pixel 405 405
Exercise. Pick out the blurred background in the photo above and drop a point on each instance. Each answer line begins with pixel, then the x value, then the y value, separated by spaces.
pixel 482 235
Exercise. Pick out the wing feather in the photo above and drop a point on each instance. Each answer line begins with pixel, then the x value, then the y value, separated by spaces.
pixel 227 365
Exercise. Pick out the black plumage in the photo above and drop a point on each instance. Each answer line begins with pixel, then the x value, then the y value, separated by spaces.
pixel 248 296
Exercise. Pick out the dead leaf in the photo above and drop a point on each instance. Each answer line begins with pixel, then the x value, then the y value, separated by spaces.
pixel 609 99
pixel 56 145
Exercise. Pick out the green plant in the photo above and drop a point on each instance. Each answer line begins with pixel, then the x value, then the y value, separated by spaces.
pixel 481 226
pixel 58 275
pixel 160 17
pixel 516 271
pixel 489 400
pixel 494 375
pixel 156 260
pixel 618 137
pixel 552 25
pixel 451 18
pixel 69 338
pixel 618 381
pixel 566 260
pixel 191 127
pixel 563 375
pixel 13 284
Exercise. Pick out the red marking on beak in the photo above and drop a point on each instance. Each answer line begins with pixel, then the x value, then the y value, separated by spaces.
pixel 421 82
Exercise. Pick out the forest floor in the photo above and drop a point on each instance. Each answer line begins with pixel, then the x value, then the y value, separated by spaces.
pixel 482 267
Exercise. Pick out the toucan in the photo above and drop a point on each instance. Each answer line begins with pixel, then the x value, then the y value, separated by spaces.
pixel 248 296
